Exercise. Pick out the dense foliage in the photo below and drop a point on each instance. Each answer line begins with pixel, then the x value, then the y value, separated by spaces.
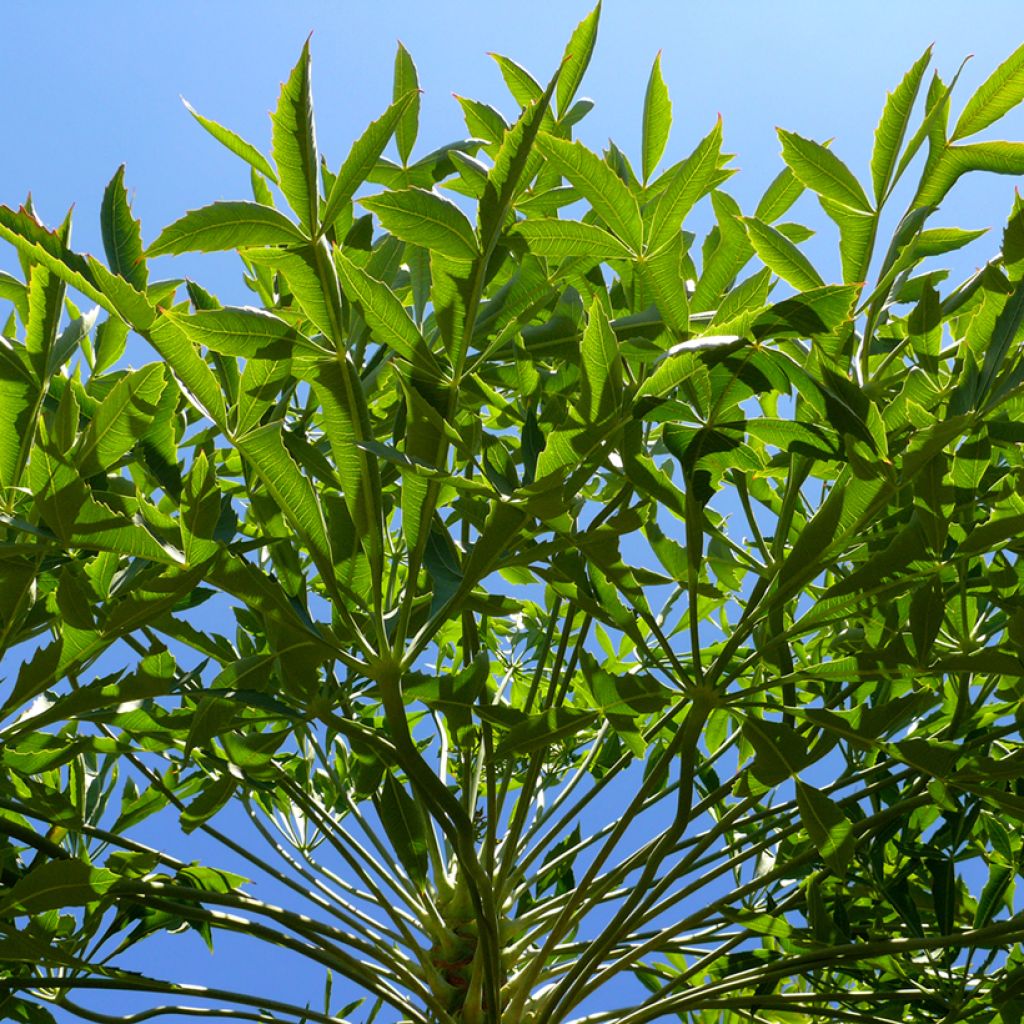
pixel 528 594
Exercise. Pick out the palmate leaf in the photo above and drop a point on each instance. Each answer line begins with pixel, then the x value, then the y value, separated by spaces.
pixel 19 393
pixel 406 826
pixel 664 275
pixel 784 190
pixel 14 291
pixel 242 331
pixel 45 297
pixel 817 311
pixel 346 423
pixel 601 370
pixel 525 89
pixel 505 179
pixel 302 272
pixel 542 730
pixel 201 386
pixel 937 241
pixel 780 753
pixel 49 248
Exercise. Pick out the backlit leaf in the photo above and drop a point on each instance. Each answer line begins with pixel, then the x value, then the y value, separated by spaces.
pixel 426 219
pixel 293 143
pixel 122 238
pixel 657 119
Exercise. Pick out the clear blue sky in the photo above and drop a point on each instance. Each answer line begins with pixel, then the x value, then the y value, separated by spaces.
pixel 90 85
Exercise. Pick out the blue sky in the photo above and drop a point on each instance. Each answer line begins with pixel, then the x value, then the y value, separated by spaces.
pixel 89 86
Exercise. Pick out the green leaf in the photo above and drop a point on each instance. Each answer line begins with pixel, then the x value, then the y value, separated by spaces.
pixel 49 248
pixel 249 153
pixel 45 297
pixel 937 241
pixel 510 165
pixel 993 895
pixel 687 182
pixel 927 611
pixel 426 219
pixel 200 510
pixel 212 716
pixel 482 120
pixel 122 237
pixel 363 157
pixel 406 81
pixel 576 58
pixel 657 120
pixel 781 256
pixel 892 127
pixel 543 730
pixel 1001 342
pixel 12 290
pixel 293 143
pixel 561 239
pixel 830 830
pixel 56 884
pixel 406 826
pixel 307 275
pixel 210 799
pixel 818 311
pixel 997 95
pixel 599 185
pixel 346 422
pixel 822 171
pixel 995 157
pixel 68 508
pixel 242 331
pixel 178 351
pixel 121 420
pixel 387 317
pixel 933 126
pixel 784 190
pixel 253 752
pixel 18 396
pixel 779 750
pixel 264 449
pixel 524 87
pixel 601 383
pixel 223 226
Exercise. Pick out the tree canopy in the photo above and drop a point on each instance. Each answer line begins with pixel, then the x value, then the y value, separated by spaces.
pixel 560 615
